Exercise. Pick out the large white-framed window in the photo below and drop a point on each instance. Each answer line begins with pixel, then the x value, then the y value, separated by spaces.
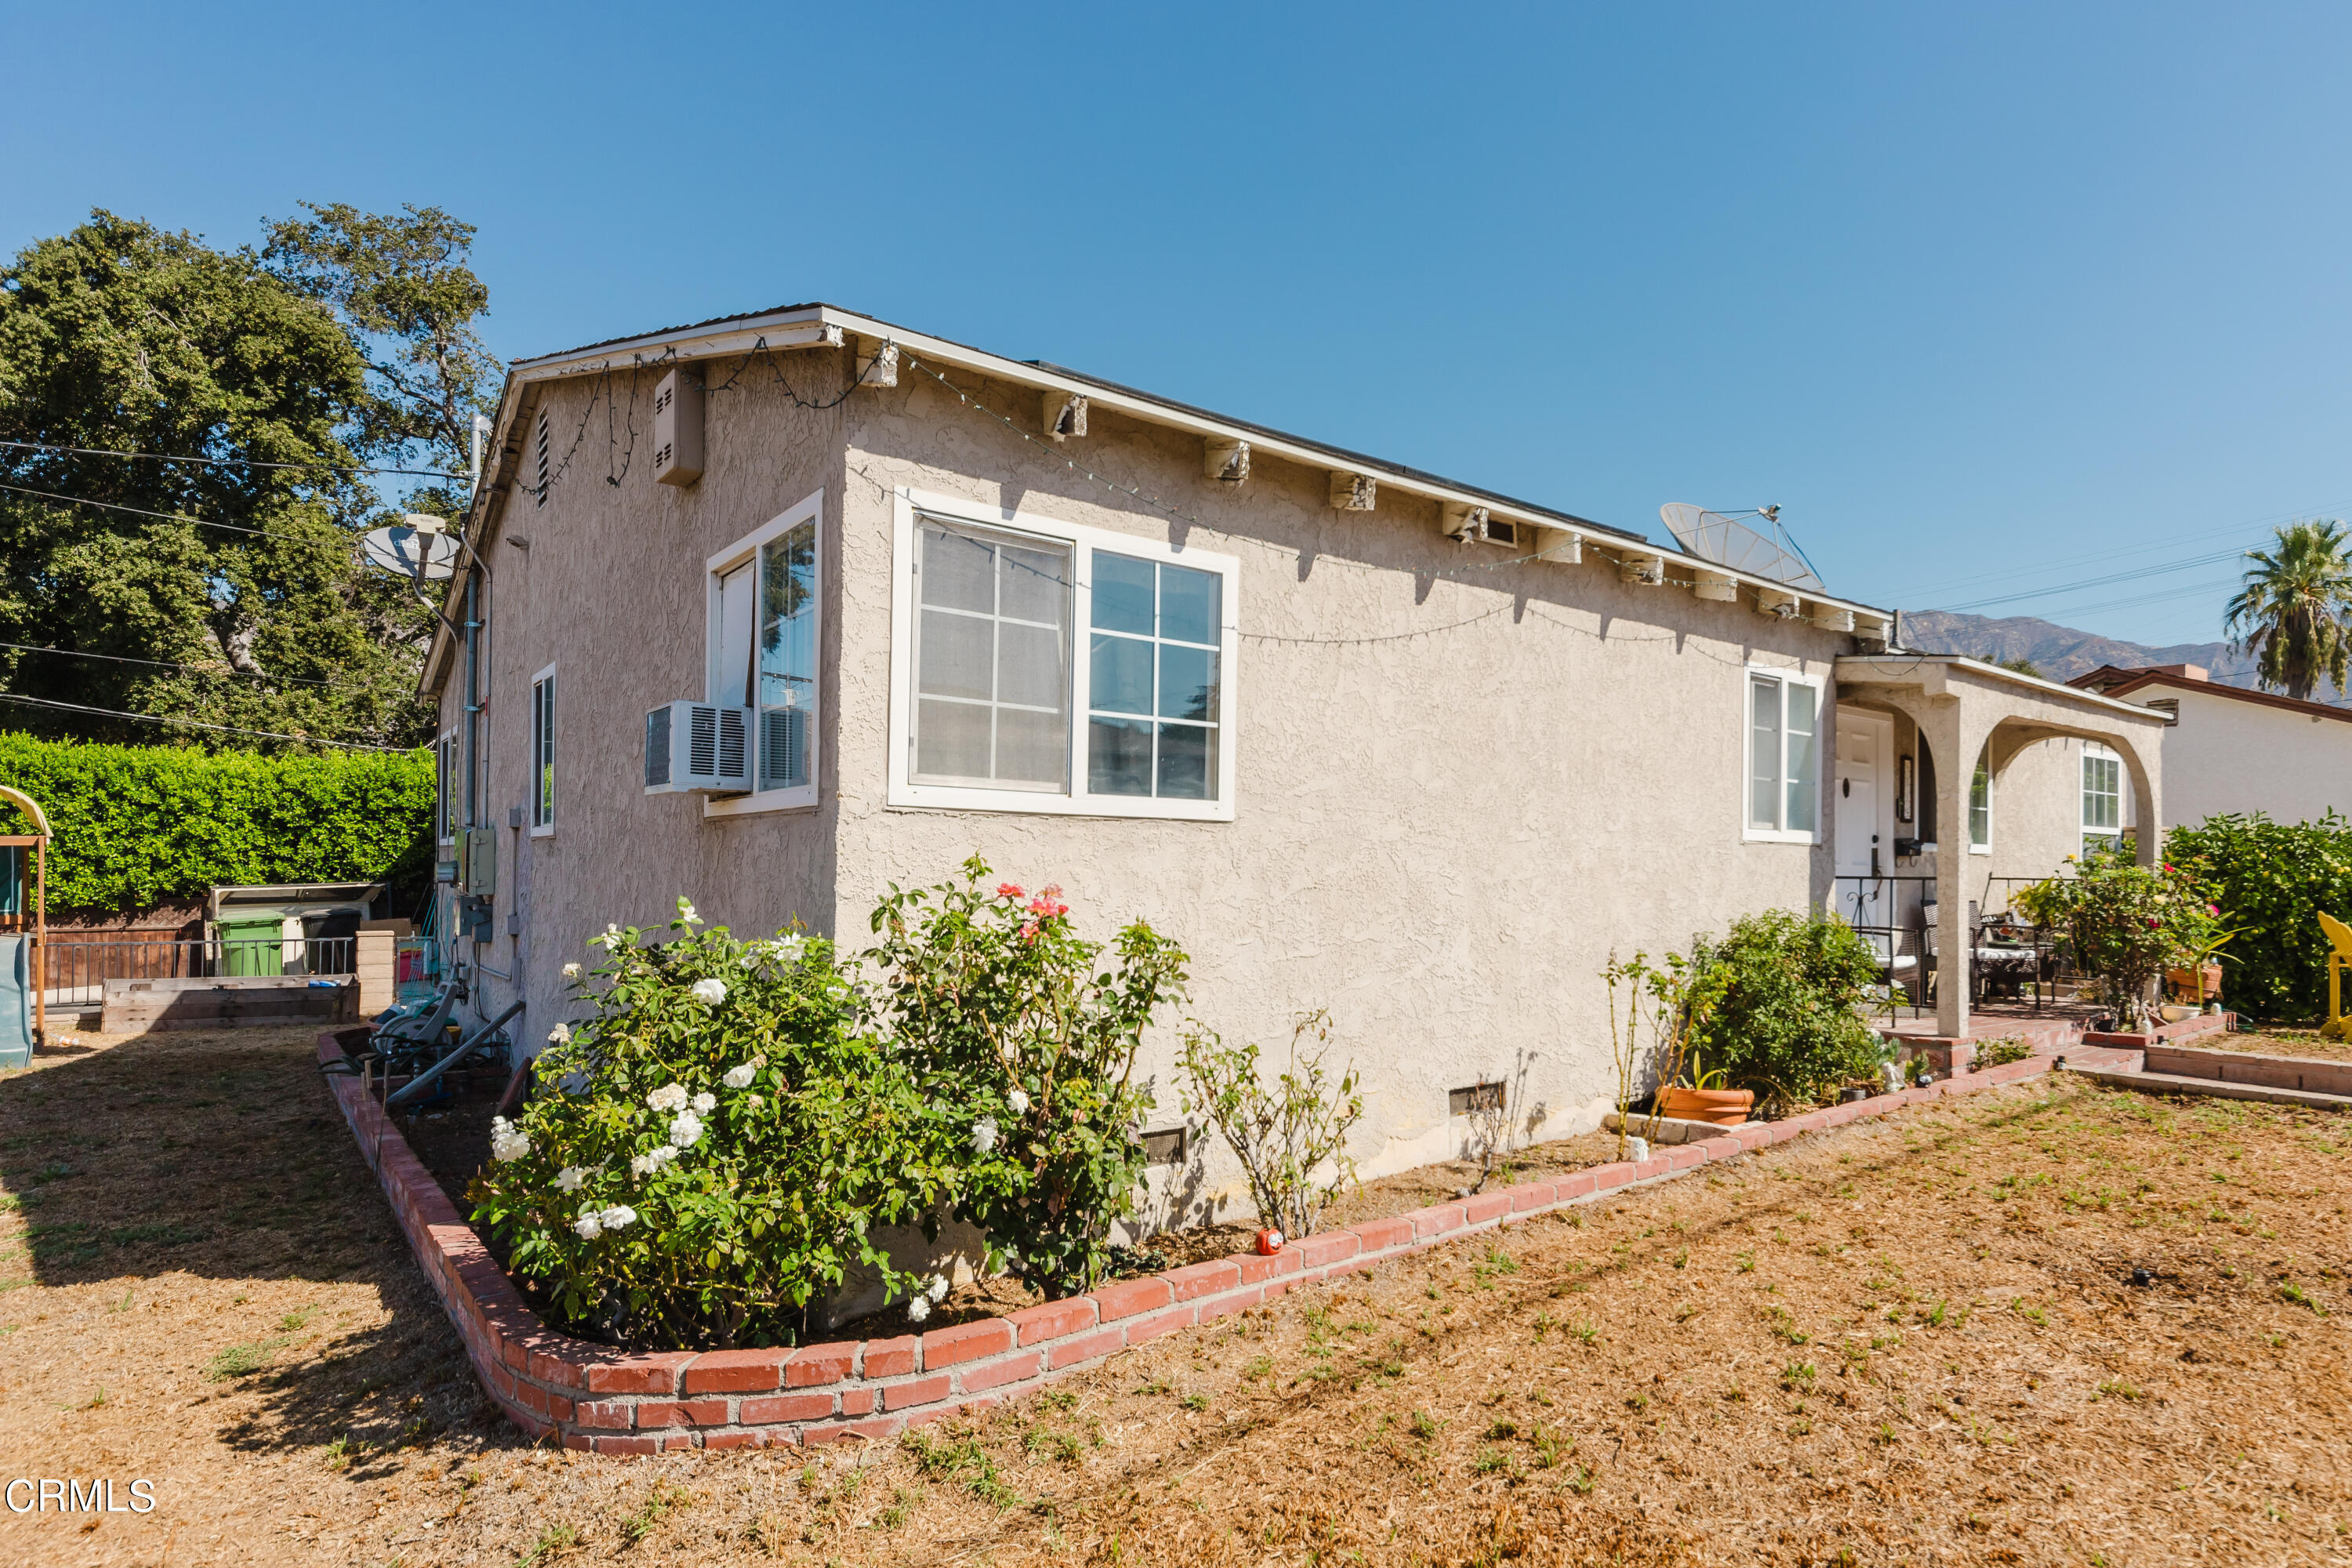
pixel 543 753
pixel 2103 797
pixel 765 597
pixel 446 784
pixel 1043 666
pixel 1781 795
pixel 1980 804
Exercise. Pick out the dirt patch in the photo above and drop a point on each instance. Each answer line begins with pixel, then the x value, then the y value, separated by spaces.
pixel 2304 1042
pixel 1916 1338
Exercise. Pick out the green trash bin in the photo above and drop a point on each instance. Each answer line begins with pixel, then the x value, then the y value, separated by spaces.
pixel 253 946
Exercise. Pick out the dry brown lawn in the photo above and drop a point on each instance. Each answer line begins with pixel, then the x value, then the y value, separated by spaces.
pixel 1912 1340
pixel 2279 1043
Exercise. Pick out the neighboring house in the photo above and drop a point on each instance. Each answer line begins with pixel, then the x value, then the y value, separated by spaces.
pixel 2229 749
pixel 1356 735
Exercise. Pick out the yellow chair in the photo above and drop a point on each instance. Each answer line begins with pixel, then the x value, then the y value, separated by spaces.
pixel 2339 959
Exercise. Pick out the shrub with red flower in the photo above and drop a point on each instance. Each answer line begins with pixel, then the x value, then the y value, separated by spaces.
pixel 2126 923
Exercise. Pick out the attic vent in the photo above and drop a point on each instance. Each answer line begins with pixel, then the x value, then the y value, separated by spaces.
pixel 1501 530
pixel 1164 1147
pixel 2168 706
pixel 1478 1097
pixel 677 428
pixel 543 442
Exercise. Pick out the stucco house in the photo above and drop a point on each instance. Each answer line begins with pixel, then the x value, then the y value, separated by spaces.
pixel 1357 735
pixel 2231 749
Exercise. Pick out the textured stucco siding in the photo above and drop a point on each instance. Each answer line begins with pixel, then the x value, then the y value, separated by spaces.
pixel 612 592
pixel 1439 837
pixel 2227 756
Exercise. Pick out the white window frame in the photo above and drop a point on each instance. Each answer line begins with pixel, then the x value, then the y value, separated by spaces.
pixel 2094 750
pixel 906 504
pixel 1823 732
pixel 746 550
pixel 1984 754
pixel 543 755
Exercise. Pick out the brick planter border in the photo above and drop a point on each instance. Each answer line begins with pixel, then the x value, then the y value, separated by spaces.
pixel 595 1397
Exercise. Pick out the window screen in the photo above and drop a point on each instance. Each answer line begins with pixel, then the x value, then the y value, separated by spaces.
pixel 1784 762
pixel 992 659
pixel 2103 784
pixel 1153 679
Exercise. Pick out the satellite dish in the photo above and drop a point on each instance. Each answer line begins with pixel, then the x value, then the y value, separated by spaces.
pixel 1711 536
pixel 419 548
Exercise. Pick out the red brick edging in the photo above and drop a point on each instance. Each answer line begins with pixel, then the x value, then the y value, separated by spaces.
pixel 617 1402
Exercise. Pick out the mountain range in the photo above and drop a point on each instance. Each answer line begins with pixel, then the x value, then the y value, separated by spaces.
pixel 2060 653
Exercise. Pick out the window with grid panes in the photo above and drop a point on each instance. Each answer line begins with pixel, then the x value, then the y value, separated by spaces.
pixel 1152 654
pixel 992 659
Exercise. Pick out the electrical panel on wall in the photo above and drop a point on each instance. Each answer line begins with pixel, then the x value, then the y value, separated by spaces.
pixel 677 428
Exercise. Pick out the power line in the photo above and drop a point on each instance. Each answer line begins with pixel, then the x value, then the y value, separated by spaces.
pixel 230 462
pixel 198 724
pixel 2183 564
pixel 192 669
pixel 142 511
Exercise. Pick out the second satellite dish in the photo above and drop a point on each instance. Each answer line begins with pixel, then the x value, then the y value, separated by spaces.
pixel 418 547
pixel 1711 536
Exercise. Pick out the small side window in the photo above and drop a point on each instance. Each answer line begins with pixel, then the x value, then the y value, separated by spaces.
pixel 1783 789
pixel 542 752
pixel 2103 798
pixel 1980 804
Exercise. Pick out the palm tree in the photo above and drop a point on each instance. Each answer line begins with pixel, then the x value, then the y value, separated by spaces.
pixel 2291 612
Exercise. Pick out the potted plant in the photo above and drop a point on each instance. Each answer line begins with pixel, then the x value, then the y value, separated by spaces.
pixel 2202 975
pixel 1706 1097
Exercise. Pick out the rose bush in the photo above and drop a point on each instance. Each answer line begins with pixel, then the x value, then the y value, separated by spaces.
pixel 2126 923
pixel 713 1147
pixel 995 1006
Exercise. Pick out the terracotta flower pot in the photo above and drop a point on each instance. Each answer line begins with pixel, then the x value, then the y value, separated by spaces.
pixel 1724 1107
pixel 2184 981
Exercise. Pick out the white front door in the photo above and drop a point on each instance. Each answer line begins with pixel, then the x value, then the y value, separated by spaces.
pixel 1863 742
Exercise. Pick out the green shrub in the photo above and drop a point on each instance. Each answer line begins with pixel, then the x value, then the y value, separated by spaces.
pixel 994 1003
pixel 1791 998
pixel 2272 878
pixel 1291 1140
pixel 138 824
pixel 2124 923
pixel 713 1146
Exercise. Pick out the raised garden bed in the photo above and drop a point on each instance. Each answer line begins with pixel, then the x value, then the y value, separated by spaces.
pixel 594 1396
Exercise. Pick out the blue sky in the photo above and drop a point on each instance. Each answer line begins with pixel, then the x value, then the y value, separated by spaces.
pixel 1989 298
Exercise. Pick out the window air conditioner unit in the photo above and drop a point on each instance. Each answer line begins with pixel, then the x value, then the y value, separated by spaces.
pixel 698 746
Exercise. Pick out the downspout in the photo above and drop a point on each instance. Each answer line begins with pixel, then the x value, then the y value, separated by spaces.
pixel 473 694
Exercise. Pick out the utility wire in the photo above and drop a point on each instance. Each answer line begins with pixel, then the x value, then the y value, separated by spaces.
pixel 230 462
pixel 141 511
pixel 198 724
pixel 192 669
pixel 2183 564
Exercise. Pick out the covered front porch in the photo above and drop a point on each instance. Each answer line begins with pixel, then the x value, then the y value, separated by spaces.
pixel 1971 723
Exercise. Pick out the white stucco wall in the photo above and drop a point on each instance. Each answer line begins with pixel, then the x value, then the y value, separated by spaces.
pixel 2231 755
pixel 1457 797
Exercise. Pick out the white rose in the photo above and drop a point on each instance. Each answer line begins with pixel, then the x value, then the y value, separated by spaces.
pixel 918 1309
pixel 668 1097
pixel 559 1035
pixel 568 1178
pixel 652 1160
pixel 616 1216
pixel 753 1102
pixel 752 960
pixel 1019 1100
pixel 685 914
pixel 506 1141
pixel 983 1134
pixel 589 1225
pixel 571 972
pixel 710 993
pixel 939 1292
pixel 685 1128
pixel 788 948
pixel 739 1077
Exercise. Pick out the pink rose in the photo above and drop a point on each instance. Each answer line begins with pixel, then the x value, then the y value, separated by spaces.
pixel 1008 890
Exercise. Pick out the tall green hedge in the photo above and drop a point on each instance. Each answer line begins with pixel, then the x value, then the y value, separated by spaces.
pixel 2273 878
pixel 136 826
